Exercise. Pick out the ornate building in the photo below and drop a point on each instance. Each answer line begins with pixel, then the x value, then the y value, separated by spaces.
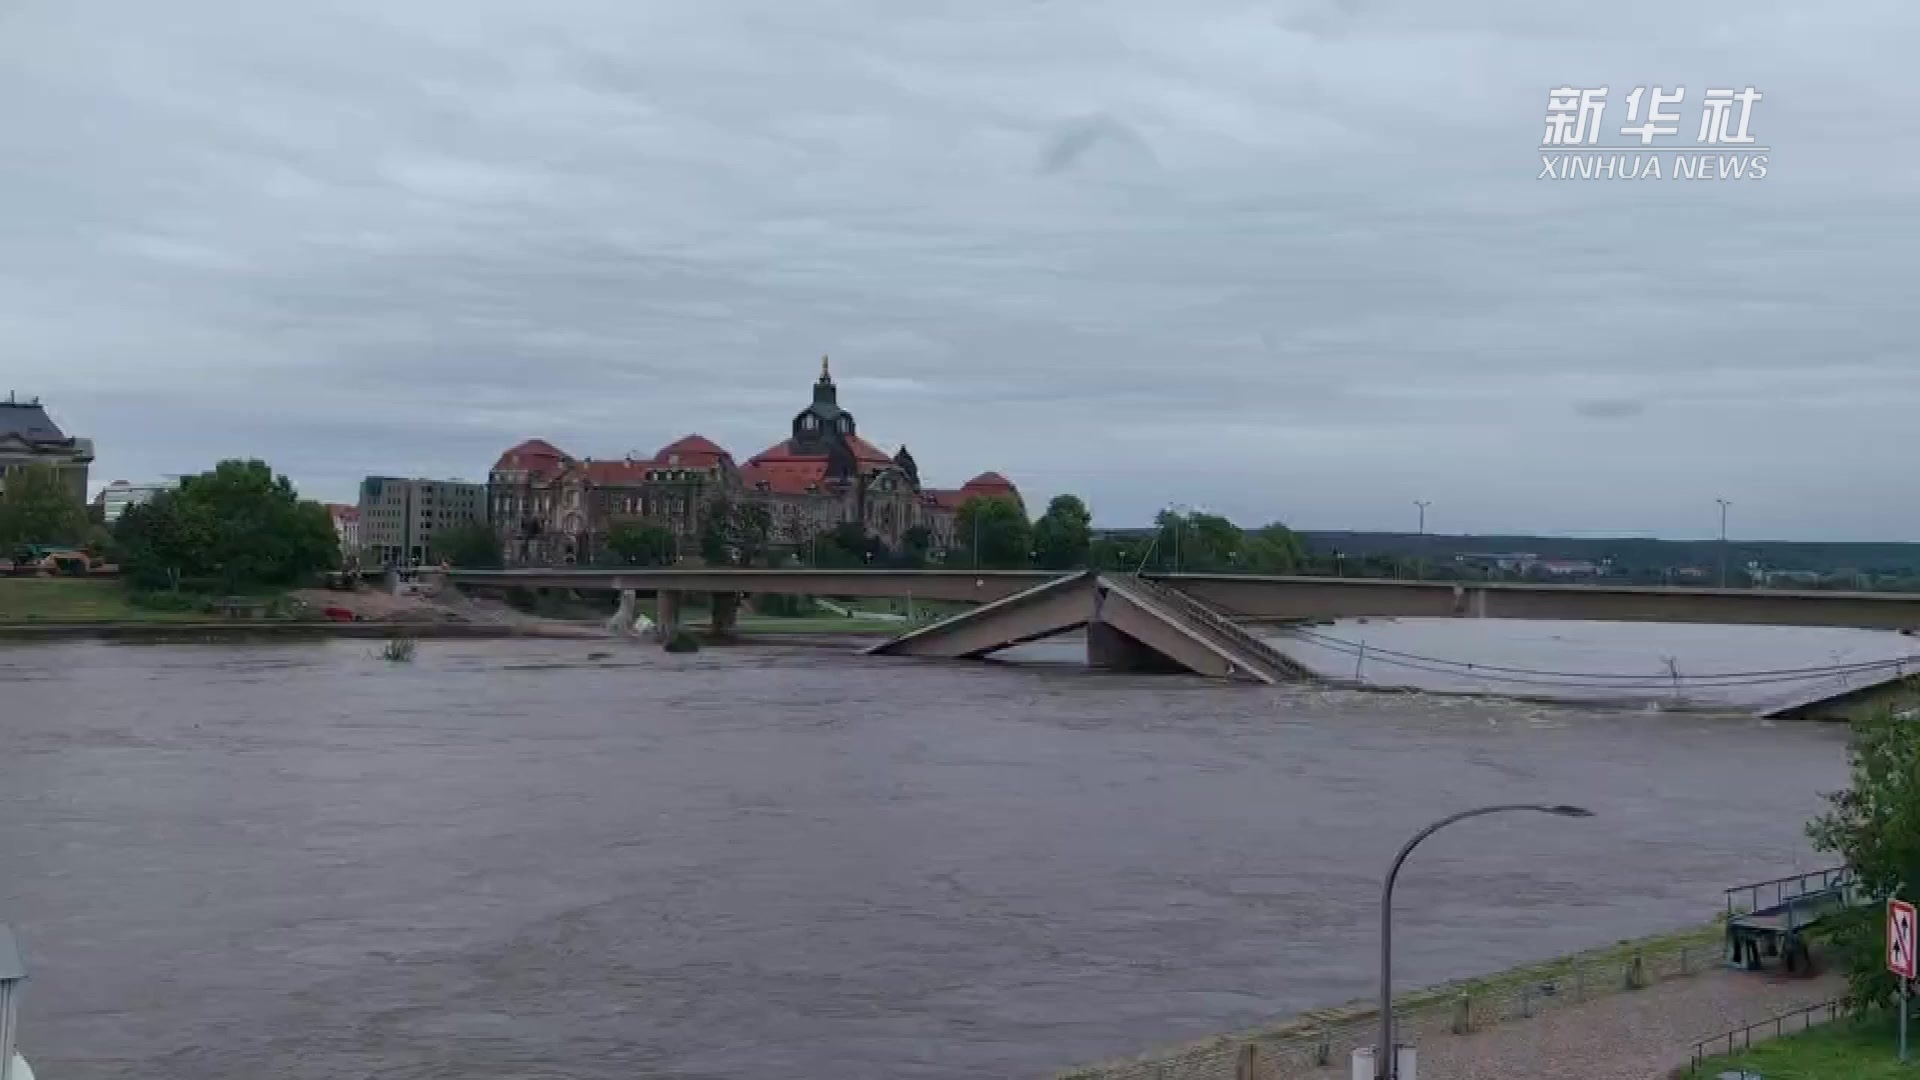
pixel 28 437
pixel 551 508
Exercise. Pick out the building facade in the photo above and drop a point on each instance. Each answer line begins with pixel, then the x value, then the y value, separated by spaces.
pixel 29 437
pixel 398 517
pixel 346 527
pixel 120 496
pixel 553 509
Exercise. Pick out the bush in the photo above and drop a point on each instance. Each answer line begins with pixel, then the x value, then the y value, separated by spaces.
pixel 399 650
pixel 683 642
pixel 783 606
pixel 166 600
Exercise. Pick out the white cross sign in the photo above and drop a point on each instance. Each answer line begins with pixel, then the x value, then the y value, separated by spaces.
pixel 1900 938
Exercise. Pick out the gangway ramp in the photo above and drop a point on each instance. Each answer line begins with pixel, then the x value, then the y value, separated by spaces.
pixel 1131 624
pixel 1771 918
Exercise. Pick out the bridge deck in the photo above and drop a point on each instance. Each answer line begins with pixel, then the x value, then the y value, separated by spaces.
pixel 1249 596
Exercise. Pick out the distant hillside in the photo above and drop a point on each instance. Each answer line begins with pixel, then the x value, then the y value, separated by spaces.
pixel 1636 553
pixel 1620 559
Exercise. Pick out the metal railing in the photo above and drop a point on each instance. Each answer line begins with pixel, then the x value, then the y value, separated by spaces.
pixel 1304 1047
pixel 1223 630
pixel 1789 889
pixel 1741 1038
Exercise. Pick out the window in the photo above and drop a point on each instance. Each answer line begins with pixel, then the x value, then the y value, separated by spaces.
pixel 809 422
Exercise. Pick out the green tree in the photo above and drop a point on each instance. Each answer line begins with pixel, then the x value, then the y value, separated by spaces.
pixel 642 543
pixel 1274 549
pixel 1116 553
pixel 237 526
pixel 735 533
pixel 916 546
pixel 161 542
pixel 992 533
pixel 38 507
pixel 1196 542
pixel 470 545
pixel 1063 536
pixel 1874 826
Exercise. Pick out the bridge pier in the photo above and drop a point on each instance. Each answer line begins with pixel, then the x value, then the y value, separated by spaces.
pixel 1115 650
pixel 667 621
pixel 725 607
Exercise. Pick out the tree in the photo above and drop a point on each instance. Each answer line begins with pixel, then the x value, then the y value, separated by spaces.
pixel 1272 550
pixel 37 507
pixel 735 533
pixel 1063 536
pixel 238 526
pixel 993 532
pixel 1874 826
pixel 1195 542
pixel 642 543
pixel 470 545
pixel 161 542
pixel 916 544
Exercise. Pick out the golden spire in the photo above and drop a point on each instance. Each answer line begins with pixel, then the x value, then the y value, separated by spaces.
pixel 824 373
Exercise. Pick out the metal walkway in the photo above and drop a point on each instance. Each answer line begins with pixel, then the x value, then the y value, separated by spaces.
pixel 1131 623
pixel 1771 918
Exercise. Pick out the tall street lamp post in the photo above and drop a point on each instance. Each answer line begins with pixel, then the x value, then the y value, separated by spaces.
pixel 1420 563
pixel 1385 1065
pixel 1723 540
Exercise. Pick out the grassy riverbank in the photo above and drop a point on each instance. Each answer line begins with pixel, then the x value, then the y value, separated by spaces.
pixel 1856 1049
pixel 77 600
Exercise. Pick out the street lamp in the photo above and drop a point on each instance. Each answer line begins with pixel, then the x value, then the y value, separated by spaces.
pixel 1420 563
pixel 1723 540
pixel 1385 1065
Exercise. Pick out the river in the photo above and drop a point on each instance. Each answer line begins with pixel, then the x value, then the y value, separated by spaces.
pixel 517 859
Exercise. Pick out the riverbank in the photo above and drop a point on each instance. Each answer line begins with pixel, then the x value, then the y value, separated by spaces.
pixel 1319 1042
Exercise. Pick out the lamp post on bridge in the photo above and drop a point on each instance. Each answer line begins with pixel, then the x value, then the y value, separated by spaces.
pixel 1420 556
pixel 1723 540
pixel 1385 1059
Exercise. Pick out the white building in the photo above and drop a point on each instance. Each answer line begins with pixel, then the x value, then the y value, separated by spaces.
pixel 117 497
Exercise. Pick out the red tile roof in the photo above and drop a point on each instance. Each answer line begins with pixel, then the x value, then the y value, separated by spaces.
pixel 863 451
pixel 791 476
pixel 946 498
pixel 988 483
pixel 620 473
pixel 694 450
pixel 532 454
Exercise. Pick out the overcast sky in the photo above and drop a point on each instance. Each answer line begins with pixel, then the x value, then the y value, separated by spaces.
pixel 1283 260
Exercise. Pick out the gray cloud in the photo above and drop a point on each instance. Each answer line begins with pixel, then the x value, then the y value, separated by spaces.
pixel 1290 261
pixel 1609 408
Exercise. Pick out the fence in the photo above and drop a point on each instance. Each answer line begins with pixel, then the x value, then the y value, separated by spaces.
pixel 1319 1043
pixel 1741 1038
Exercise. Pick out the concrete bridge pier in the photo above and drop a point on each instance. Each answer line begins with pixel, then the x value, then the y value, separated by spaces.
pixel 725 607
pixel 1115 650
pixel 667 618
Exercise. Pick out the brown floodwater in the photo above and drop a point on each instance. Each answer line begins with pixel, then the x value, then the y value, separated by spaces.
pixel 511 859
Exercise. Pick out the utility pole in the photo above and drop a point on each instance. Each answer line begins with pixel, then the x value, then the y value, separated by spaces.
pixel 1723 540
pixel 1420 554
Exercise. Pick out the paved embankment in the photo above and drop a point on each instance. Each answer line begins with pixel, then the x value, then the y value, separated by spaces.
pixel 1643 1035
pixel 1627 1011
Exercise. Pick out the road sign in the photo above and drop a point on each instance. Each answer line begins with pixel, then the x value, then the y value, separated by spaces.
pixel 1900 938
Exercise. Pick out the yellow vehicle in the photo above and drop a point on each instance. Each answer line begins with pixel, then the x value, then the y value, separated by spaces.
pixel 67 562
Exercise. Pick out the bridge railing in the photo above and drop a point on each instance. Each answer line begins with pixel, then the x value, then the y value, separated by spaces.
pixel 1222 628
